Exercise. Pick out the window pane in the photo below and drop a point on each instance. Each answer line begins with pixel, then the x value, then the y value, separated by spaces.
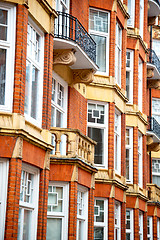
pixel 97 135
pixel 26 105
pixel 54 229
pixel 98 233
pixel 34 99
pixel 26 225
pixel 100 52
pixel 98 21
pixel 127 84
pixel 128 236
pixel 59 120
pixel 3 24
pixel 2 75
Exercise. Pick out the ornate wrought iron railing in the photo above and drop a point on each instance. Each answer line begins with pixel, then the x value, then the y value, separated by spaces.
pixel 154 126
pixel 154 59
pixel 69 27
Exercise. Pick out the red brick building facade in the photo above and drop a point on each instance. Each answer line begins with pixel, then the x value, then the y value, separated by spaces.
pixel 79 120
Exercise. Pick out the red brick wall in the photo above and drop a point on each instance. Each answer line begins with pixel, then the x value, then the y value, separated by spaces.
pixel 123 144
pixel 72 224
pixel 77 110
pixel 43 201
pixel 91 214
pixel 47 83
pixel 12 210
pixel 111 136
pixel 20 59
pixel 135 155
pixel 111 218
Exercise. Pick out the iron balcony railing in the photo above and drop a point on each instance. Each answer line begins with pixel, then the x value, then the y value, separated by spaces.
pixel 154 59
pixel 154 126
pixel 69 27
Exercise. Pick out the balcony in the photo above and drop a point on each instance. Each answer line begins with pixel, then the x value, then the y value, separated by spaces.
pixel 72 144
pixel 154 8
pixel 153 134
pixel 153 70
pixel 70 34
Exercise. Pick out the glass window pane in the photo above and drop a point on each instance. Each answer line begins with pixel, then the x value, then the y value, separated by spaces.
pixel 59 120
pixel 54 229
pixel 97 135
pixel 27 225
pixel 3 24
pixel 2 75
pixel 100 52
pixel 27 87
pixel 98 21
pixel 98 233
pixel 34 99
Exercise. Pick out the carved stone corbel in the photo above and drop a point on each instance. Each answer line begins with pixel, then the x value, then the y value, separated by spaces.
pixel 64 56
pixel 150 73
pixel 18 148
pixel 83 76
pixel 153 84
pixel 47 160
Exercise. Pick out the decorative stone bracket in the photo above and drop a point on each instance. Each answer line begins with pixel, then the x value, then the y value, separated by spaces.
pixel 153 84
pixel 64 56
pixel 150 73
pixel 83 76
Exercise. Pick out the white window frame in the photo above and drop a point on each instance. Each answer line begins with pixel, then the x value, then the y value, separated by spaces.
pixel 30 206
pixel 130 71
pixel 40 67
pixel 158 228
pixel 107 36
pixel 141 18
pixel 140 159
pixel 140 225
pixel 63 5
pixel 118 52
pixel 149 226
pixel 140 84
pixel 105 223
pixel 130 148
pixel 4 166
pixel 84 217
pixel 105 128
pixel 117 134
pixel 131 230
pixel 155 174
pixel 65 206
pixel 130 21
pixel 54 104
pixel 117 227
pixel 156 114
pixel 9 46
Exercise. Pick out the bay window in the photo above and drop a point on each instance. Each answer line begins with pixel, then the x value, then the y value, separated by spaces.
pixel 99 31
pixel 140 225
pixel 98 130
pixel 131 11
pixel 158 228
pixel 140 84
pixel 57 213
pixel 118 53
pixel 34 74
pixel 140 161
pixel 117 142
pixel 4 164
pixel 100 219
pixel 7 52
pixel 129 224
pixel 59 102
pixel 129 155
pixel 129 76
pixel 141 18
pixel 117 221
pixel 28 204
pixel 82 213
pixel 156 108
pixel 156 171
pixel 149 228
